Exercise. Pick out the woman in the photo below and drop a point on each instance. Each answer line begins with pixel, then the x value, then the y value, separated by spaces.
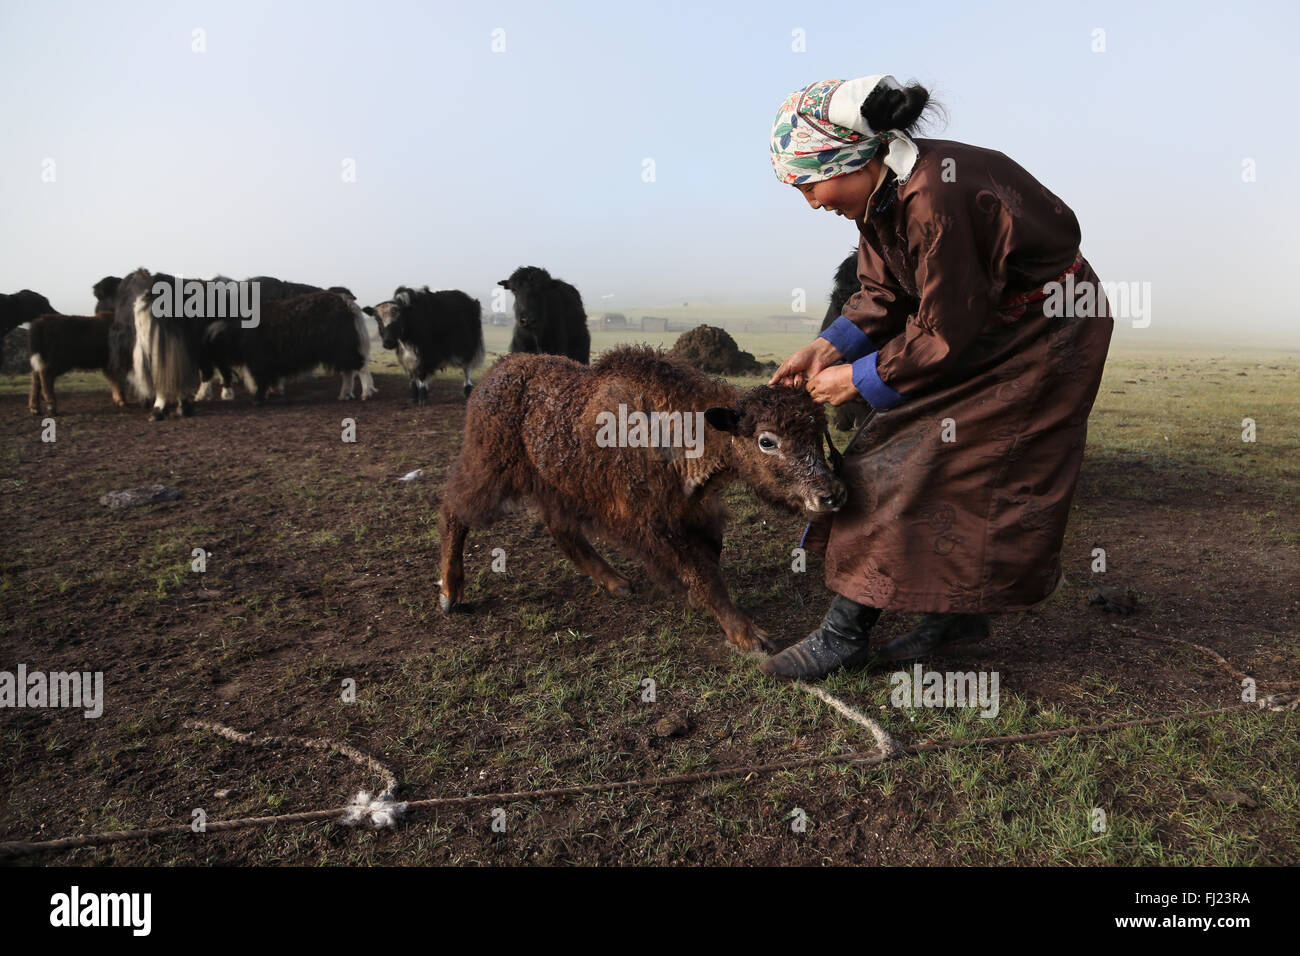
pixel 980 380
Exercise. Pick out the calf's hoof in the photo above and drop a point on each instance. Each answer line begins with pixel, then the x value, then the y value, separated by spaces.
pixel 157 415
pixel 447 603
pixel 751 638
pixel 616 584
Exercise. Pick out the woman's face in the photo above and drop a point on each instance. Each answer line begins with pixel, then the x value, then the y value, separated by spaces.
pixel 845 195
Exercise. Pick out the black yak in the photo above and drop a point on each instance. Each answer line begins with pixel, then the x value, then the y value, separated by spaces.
pixel 846 285
pixel 15 309
pixel 153 345
pixel 271 289
pixel 105 292
pixel 157 343
pixel 222 298
pixel 296 335
pixel 549 316
pixel 430 331
pixel 62 343
pixel 19 307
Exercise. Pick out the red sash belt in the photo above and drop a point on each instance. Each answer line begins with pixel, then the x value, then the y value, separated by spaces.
pixel 1014 307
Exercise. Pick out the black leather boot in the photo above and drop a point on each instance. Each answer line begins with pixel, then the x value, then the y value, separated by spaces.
pixel 936 631
pixel 841 641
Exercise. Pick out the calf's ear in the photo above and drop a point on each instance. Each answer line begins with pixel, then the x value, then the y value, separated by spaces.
pixel 504 283
pixel 369 310
pixel 723 419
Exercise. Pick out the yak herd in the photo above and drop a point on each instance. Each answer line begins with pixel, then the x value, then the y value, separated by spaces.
pixel 168 342
pixel 528 436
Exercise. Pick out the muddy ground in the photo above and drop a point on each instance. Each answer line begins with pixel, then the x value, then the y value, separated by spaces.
pixel 321 569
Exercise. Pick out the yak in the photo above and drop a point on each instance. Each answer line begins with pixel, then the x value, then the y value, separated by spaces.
pixel 846 284
pixel 546 431
pixel 429 331
pixel 296 335
pixel 15 309
pixel 549 316
pixel 62 343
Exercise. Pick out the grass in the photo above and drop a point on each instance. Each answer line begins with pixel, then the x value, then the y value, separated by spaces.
pixel 534 694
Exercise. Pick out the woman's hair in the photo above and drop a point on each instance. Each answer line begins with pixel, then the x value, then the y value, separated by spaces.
pixel 900 109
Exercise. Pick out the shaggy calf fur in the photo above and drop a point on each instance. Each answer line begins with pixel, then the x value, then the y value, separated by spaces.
pixel 429 331
pixel 62 343
pixel 535 433
pixel 549 315
pixel 296 335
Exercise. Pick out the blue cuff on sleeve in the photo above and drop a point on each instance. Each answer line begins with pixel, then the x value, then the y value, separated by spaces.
pixel 867 381
pixel 849 340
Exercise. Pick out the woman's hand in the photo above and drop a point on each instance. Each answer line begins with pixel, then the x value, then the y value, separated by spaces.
pixel 805 364
pixel 834 385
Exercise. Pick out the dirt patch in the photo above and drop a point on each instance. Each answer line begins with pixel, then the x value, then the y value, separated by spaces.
pixel 321 570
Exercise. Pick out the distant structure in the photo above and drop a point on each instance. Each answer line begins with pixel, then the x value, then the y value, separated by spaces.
pixel 782 323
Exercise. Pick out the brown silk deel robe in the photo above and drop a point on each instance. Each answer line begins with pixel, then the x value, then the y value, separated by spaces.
pixel 952 265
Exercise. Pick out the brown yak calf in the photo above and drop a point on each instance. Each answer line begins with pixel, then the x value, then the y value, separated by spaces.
pixel 63 343
pixel 546 431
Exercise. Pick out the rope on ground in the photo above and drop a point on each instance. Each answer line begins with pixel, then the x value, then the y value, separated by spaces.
pixel 887 749
pixel 1148 635
pixel 380 811
pixel 884 743
pixel 869 758
pixel 314 743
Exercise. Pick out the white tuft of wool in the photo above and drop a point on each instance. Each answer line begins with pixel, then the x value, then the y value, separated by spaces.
pixel 381 811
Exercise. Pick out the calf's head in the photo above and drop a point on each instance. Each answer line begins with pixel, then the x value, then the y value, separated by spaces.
pixel 776 448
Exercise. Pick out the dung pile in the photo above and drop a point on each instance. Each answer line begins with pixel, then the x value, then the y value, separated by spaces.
pixel 712 350
pixel 14 351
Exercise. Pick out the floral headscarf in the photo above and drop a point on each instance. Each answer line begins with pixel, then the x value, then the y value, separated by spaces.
pixel 820 133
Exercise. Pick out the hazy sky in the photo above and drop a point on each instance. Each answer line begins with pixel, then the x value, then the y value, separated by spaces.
pixel 469 162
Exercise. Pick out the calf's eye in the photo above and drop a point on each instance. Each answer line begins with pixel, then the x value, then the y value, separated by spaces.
pixel 769 443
